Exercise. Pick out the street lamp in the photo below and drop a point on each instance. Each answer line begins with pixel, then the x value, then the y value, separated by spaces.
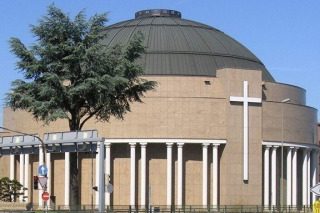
pixel 42 145
pixel 287 100
pixel 26 134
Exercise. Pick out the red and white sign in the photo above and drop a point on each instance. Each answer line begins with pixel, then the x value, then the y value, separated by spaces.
pixel 45 196
pixel 43 182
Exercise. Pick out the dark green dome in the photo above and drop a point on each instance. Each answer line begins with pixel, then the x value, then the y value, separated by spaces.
pixel 177 46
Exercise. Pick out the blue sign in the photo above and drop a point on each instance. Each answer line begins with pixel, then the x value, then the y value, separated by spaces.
pixel 42 170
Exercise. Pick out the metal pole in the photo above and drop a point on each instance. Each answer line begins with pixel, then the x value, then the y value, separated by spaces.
pixel 282 141
pixel 42 146
pixel 26 134
pixel 282 138
pixel 91 178
pixel 101 186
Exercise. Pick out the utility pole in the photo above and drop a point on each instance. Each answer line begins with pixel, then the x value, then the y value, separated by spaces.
pixel 101 186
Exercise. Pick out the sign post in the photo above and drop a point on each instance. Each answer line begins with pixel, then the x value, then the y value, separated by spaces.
pixel 45 197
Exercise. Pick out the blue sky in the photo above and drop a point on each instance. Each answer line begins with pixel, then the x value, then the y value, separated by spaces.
pixel 284 35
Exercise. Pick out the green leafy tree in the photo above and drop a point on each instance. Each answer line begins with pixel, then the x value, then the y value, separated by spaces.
pixel 69 73
pixel 9 189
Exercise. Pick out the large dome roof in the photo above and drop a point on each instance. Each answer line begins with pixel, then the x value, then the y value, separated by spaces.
pixel 176 46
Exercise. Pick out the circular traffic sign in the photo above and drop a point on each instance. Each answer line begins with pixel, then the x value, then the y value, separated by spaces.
pixel 42 170
pixel 45 196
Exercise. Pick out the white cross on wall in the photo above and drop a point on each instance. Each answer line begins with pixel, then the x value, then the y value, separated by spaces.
pixel 246 100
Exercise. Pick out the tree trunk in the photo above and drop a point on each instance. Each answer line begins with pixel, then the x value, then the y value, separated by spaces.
pixel 74 170
pixel 74 181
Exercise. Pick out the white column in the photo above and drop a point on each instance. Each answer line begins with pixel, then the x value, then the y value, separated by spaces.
pixel 26 177
pixel 97 175
pixel 266 175
pixel 143 174
pixel 215 174
pixel 66 178
pixel 132 174
pixel 21 174
pixel 294 176
pixel 48 164
pixel 180 173
pixel 314 171
pixel 289 176
pixel 274 176
pixel 169 174
pixel 40 188
pixel 108 171
pixel 309 177
pixel 12 167
pixel 205 174
pixel 305 177
pixel 11 175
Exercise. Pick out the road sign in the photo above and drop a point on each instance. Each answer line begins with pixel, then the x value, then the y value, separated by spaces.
pixel 43 182
pixel 42 170
pixel 109 188
pixel 316 189
pixel 45 196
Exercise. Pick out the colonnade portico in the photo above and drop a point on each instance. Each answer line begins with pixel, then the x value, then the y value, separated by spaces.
pixel 309 154
pixel 25 175
pixel 143 143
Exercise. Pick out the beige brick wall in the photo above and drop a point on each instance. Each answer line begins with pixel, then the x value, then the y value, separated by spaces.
pixel 185 107
pixel 299 122
pixel 232 186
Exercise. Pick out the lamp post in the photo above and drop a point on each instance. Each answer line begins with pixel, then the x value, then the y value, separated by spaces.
pixel 282 140
pixel 26 134
pixel 101 186
pixel 42 145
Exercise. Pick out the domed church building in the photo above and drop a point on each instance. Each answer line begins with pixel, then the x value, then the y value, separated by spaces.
pixel 218 129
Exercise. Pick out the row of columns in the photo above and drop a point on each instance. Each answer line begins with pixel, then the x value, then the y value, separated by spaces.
pixel 309 175
pixel 309 171
pixel 24 176
pixel 23 173
pixel 107 172
pixel 143 174
pixel 24 161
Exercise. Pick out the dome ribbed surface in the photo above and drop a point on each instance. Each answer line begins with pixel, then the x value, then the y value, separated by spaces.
pixel 176 46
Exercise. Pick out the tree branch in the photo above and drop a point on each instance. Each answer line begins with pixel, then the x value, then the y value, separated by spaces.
pixel 89 116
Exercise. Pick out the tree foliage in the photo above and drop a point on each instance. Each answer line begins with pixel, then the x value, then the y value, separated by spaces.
pixel 9 189
pixel 70 73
